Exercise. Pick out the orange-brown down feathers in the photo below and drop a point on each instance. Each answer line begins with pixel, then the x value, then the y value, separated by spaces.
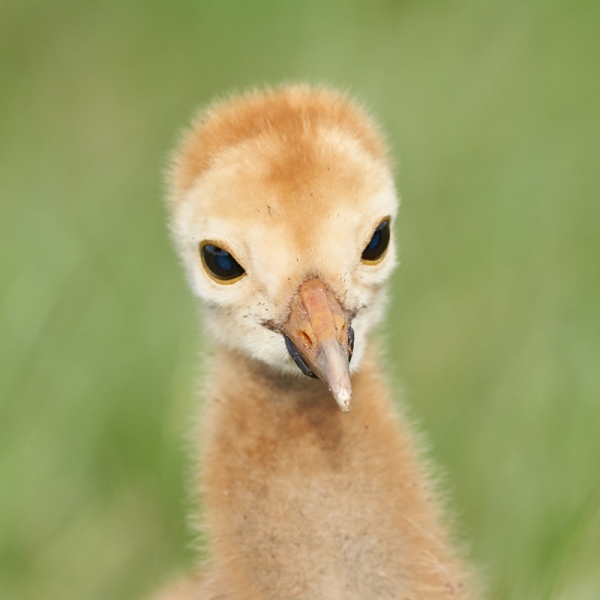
pixel 293 188
pixel 289 115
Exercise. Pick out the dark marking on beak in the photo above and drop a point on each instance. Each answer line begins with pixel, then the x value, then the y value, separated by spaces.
pixel 350 343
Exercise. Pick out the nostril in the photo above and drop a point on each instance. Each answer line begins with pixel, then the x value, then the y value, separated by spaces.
pixel 340 324
pixel 350 343
pixel 296 356
pixel 306 338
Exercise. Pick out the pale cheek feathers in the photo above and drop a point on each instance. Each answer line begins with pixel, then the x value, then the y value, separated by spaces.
pixel 249 337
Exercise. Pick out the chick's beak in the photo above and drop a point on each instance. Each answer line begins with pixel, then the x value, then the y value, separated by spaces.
pixel 319 339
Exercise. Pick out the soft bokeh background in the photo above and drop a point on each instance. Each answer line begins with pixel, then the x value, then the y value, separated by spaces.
pixel 494 330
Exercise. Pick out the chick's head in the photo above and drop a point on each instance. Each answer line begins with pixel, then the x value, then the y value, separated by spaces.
pixel 274 189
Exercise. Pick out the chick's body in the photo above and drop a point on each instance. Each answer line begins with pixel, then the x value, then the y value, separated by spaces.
pixel 301 501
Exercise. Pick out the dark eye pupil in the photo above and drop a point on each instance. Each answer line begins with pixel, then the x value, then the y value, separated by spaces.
pixel 375 241
pixel 378 243
pixel 224 261
pixel 220 263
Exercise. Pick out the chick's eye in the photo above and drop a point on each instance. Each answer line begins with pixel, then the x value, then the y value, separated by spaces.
pixel 220 264
pixel 379 242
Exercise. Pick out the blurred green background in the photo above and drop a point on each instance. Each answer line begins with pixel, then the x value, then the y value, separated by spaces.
pixel 494 330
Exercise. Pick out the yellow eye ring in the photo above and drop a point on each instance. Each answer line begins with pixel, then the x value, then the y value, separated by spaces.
pixel 220 263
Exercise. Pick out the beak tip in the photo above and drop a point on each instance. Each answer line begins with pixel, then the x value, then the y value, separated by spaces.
pixel 343 397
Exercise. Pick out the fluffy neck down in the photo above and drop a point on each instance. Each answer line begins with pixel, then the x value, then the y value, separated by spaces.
pixel 303 501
